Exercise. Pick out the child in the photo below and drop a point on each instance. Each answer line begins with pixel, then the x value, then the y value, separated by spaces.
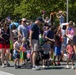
pixel 57 48
pixel 70 52
pixel 46 49
pixel 23 50
pixel 16 52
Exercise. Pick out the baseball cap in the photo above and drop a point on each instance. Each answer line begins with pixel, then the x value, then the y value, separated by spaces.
pixel 40 19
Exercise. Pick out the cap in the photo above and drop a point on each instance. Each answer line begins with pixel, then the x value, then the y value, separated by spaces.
pixel 23 19
pixel 40 19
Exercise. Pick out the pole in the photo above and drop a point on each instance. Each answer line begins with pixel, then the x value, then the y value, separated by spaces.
pixel 67 12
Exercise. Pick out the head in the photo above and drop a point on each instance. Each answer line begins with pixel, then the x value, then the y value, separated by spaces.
pixel 6 25
pixel 70 24
pixel 23 21
pixel 39 21
pixel 70 42
pixel 19 38
pixel 23 40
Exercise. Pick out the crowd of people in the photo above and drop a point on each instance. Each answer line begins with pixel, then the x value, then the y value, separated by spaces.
pixel 37 41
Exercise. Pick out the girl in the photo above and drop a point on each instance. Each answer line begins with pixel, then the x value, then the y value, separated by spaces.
pixel 70 52
pixel 23 50
pixel 57 47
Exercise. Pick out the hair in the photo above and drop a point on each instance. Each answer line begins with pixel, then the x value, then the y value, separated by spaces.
pixel 70 23
pixel 64 27
pixel 70 42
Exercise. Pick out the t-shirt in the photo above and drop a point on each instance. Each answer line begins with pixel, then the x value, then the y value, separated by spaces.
pixel 23 30
pixel 69 48
pixel 50 34
pixel 57 41
pixel 35 30
pixel 70 32
pixel 46 47
pixel 17 45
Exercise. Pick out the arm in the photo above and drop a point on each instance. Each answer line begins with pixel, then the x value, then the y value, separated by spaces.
pixel 15 47
pixel 50 39
pixel 30 36
pixel 19 33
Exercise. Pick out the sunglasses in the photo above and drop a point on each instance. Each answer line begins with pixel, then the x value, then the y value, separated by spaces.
pixel 23 21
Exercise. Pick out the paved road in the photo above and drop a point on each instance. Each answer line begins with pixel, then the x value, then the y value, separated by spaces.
pixel 58 70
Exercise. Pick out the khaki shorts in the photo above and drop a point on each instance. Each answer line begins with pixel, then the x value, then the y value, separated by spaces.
pixel 34 45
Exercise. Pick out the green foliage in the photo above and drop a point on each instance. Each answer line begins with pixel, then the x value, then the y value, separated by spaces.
pixel 31 9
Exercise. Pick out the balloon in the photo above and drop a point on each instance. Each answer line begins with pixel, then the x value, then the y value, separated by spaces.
pixel 23 49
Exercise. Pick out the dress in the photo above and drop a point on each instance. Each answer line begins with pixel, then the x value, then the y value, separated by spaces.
pixel 6 38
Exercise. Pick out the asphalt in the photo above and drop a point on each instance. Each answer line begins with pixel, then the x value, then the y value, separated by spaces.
pixel 52 70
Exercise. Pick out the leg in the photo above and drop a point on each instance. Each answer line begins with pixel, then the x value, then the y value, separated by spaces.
pixel 2 57
pixel 7 56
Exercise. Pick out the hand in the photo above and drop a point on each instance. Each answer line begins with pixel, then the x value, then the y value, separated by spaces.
pixel 30 45
pixel 19 50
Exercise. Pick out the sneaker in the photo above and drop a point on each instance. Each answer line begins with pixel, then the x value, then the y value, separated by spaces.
pixel 72 67
pixel 8 65
pixel 3 66
pixel 43 66
pixel 35 68
pixel 58 63
pixel 16 66
pixel 67 66
pixel 19 66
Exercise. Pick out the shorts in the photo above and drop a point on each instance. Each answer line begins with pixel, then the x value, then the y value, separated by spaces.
pixel 34 45
pixel 74 57
pixel 57 51
pixel 7 46
pixel 1 46
pixel 16 55
pixel 45 56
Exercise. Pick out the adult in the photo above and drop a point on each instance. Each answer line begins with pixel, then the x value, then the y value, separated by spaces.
pixel 22 30
pixel 34 38
pixel 70 31
pixel 50 37
pixel 6 38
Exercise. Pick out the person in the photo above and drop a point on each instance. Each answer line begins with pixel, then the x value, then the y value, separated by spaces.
pixel 23 50
pixel 46 51
pixel 16 52
pixel 74 46
pixel 57 48
pixel 34 37
pixel 70 53
pixel 70 31
pixel 61 17
pixel 64 42
pixel 50 37
pixel 6 37
pixel 2 48
pixel 22 30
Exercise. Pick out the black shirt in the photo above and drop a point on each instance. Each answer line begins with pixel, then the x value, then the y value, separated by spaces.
pixel 35 30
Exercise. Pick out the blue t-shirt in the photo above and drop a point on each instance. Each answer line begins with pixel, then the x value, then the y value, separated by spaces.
pixel 23 30
pixel 35 30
